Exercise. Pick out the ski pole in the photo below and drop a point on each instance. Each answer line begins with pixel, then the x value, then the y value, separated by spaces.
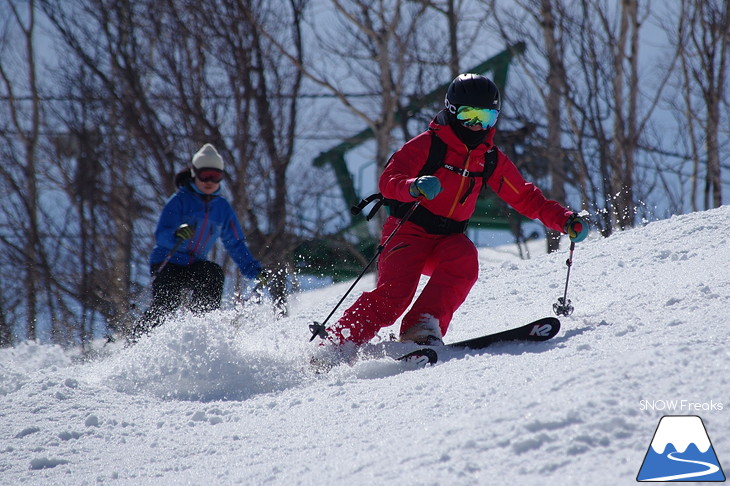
pixel 167 258
pixel 155 274
pixel 319 329
pixel 563 307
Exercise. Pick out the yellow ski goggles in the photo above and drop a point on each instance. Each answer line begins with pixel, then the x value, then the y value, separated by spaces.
pixel 470 116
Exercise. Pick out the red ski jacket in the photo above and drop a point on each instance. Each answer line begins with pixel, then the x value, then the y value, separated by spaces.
pixel 506 180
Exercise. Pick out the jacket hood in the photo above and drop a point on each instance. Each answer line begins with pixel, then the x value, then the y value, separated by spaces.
pixel 183 177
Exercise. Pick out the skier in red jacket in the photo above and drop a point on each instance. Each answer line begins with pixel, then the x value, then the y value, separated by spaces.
pixel 432 241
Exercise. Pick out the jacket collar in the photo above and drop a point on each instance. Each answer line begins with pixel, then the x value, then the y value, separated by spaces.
pixel 440 125
pixel 192 188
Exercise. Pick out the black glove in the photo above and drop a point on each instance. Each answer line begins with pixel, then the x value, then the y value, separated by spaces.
pixel 184 232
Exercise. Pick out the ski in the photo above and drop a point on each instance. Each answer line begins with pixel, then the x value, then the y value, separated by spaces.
pixel 420 357
pixel 539 330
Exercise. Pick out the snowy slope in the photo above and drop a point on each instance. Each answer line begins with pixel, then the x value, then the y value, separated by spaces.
pixel 228 399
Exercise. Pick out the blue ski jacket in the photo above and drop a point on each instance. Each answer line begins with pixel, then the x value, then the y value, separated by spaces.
pixel 212 217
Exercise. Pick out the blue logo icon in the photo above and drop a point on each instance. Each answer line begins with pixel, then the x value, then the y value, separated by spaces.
pixel 681 451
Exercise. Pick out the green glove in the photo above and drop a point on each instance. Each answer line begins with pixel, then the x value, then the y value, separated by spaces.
pixel 184 232
pixel 264 277
pixel 426 186
pixel 576 228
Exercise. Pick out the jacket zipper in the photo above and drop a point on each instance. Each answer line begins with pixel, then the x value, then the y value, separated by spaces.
pixel 468 191
pixel 461 186
pixel 198 243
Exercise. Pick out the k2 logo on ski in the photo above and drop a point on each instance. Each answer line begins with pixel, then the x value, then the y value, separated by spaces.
pixel 680 451
pixel 541 330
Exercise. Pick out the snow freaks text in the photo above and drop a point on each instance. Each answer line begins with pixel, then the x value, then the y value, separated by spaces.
pixel 680 406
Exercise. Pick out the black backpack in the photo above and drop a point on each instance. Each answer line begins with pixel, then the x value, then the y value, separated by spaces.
pixel 432 223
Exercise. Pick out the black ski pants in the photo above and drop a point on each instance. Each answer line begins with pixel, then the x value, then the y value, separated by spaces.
pixel 204 279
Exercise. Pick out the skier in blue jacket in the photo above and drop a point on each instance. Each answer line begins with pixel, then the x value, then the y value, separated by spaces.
pixel 191 222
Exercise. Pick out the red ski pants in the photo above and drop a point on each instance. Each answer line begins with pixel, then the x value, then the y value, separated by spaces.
pixel 451 262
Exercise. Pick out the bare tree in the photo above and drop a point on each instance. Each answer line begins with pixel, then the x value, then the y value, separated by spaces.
pixel 374 42
pixel 452 10
pixel 372 62
pixel 555 89
pixel 265 92
pixel 548 77
pixel 703 45
pixel 173 75
pixel 591 57
pixel 116 139
pixel 20 172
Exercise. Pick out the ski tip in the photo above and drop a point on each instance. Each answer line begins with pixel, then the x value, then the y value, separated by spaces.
pixel 544 329
pixel 421 357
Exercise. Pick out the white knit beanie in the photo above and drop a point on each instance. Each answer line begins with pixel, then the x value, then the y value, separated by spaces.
pixel 207 158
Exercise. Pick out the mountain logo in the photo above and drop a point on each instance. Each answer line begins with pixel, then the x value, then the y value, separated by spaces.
pixel 680 451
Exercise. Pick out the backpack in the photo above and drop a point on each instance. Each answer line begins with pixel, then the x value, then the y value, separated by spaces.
pixel 432 223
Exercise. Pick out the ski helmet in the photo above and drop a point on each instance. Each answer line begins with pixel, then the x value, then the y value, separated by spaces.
pixel 472 90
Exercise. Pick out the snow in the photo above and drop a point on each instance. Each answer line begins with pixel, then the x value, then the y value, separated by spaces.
pixel 229 398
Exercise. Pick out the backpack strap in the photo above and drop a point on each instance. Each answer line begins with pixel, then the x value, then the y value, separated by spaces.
pixel 357 208
pixel 436 155
pixel 490 163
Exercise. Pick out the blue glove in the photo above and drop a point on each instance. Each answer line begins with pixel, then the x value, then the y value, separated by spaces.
pixel 576 228
pixel 426 186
